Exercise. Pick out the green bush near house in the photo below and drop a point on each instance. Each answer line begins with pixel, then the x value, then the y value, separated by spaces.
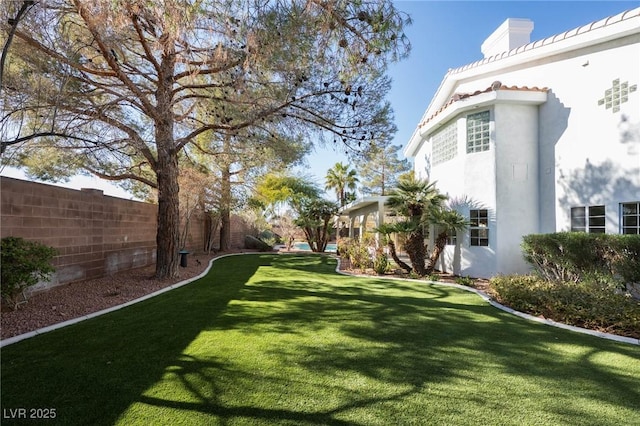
pixel 575 256
pixel 580 279
pixel 467 281
pixel 23 264
pixel 594 304
pixel 380 263
pixel 357 251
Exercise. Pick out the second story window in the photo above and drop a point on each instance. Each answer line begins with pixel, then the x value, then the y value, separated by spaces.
pixel 478 132
pixel 445 143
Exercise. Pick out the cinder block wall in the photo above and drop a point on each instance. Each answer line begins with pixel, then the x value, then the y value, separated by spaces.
pixel 95 235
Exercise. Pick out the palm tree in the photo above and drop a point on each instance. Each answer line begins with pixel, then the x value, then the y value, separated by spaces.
pixel 417 200
pixel 387 229
pixel 340 178
pixel 448 221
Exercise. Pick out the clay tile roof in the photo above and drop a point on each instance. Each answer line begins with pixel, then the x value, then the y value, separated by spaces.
pixel 493 88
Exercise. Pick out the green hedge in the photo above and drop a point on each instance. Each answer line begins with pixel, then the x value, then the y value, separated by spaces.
pixel 576 256
pixel 590 304
pixel 23 263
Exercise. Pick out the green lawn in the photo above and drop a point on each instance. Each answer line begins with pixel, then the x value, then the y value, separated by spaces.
pixel 283 339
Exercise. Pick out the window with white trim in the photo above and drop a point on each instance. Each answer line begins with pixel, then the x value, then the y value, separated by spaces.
pixel 590 219
pixel 630 218
pixel 479 227
pixel 478 132
pixel 452 238
pixel 445 143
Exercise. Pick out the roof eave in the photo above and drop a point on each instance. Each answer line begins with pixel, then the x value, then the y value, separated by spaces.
pixel 521 97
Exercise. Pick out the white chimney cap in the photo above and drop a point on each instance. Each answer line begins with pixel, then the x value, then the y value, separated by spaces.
pixel 513 33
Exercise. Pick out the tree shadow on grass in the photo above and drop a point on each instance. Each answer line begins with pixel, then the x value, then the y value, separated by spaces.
pixel 92 371
pixel 408 336
pixel 216 406
pixel 413 341
pixel 290 346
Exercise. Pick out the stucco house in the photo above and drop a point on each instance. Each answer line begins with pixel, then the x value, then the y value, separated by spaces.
pixel 536 137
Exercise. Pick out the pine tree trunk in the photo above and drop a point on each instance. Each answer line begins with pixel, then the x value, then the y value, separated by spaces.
pixel 225 213
pixel 225 230
pixel 166 168
pixel 225 199
pixel 168 232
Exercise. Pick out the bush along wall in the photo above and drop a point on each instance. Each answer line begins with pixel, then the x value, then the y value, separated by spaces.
pixel 586 280
pixel 23 263
pixel 577 256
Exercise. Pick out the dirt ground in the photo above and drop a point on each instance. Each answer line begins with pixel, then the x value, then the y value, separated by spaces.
pixel 81 298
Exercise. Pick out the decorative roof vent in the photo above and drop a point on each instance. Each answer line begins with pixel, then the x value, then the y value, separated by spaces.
pixel 513 33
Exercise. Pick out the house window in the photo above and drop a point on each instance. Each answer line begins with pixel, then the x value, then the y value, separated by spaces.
pixel 478 132
pixel 590 219
pixel 445 143
pixel 479 227
pixel 630 215
pixel 578 219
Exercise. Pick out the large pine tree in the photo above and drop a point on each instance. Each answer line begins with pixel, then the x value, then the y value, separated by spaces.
pixel 123 88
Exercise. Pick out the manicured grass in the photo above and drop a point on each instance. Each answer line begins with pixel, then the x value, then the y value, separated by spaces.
pixel 274 339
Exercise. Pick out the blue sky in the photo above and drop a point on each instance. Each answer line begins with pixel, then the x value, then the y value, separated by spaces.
pixel 448 34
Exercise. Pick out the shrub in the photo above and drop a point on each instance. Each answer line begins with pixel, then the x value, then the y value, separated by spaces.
pixel 574 256
pixel 342 246
pixel 24 263
pixel 594 304
pixel 626 263
pixel 380 263
pixel 251 242
pixel 357 251
pixel 468 281
pixel 433 277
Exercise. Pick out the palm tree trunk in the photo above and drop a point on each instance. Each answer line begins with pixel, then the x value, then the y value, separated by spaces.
pixel 417 252
pixel 441 241
pixel 394 256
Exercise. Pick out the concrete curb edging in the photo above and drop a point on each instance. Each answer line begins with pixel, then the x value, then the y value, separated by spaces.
pixel 483 295
pixel 18 338
pixel 495 304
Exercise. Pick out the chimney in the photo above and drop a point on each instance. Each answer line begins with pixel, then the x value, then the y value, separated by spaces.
pixel 513 33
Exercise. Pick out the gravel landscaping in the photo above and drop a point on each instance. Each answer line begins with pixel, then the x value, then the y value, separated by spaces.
pixel 84 297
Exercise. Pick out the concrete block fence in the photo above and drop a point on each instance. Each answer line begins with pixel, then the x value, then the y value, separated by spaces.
pixel 95 235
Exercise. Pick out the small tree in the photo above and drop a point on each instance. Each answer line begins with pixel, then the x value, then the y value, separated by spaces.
pixel 423 206
pixel 24 263
pixel 286 228
pixel 415 199
pixel 387 229
pixel 314 218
